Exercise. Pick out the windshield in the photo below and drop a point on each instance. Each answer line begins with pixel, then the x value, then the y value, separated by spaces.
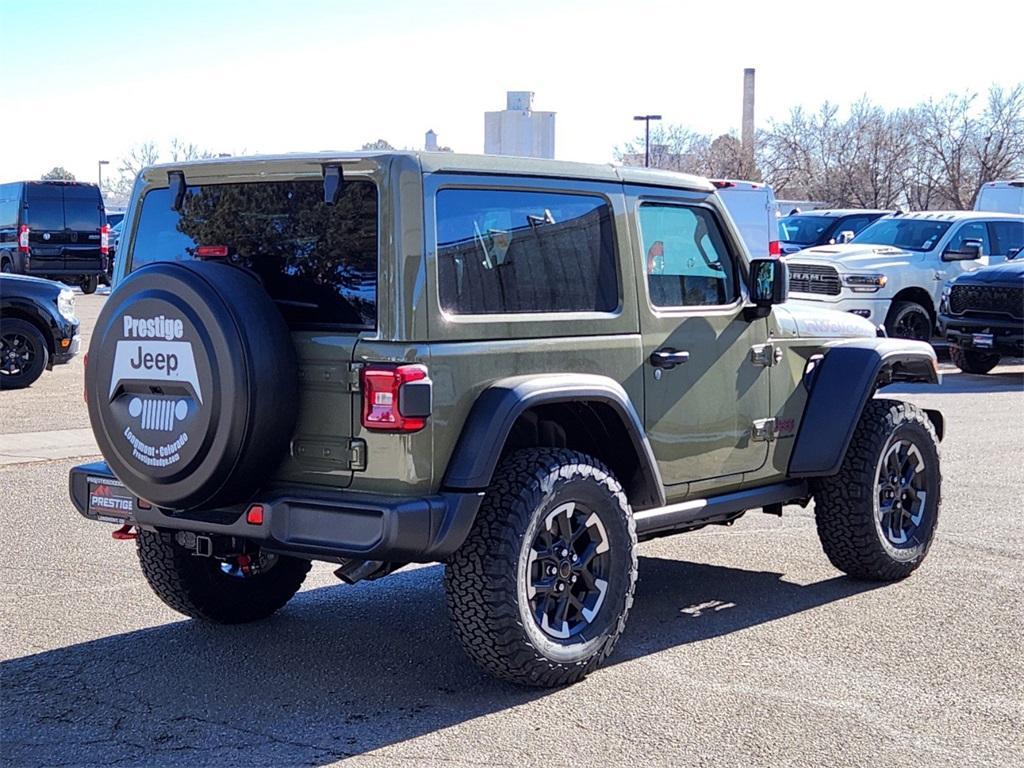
pixel 803 230
pixel 911 234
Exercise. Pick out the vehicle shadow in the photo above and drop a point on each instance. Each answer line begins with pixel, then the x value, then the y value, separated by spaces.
pixel 958 382
pixel 340 671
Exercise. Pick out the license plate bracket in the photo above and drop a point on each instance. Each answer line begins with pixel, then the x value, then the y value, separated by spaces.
pixel 982 340
pixel 110 501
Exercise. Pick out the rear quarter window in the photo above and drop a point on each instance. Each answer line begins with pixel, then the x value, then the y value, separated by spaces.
pixel 512 251
pixel 317 262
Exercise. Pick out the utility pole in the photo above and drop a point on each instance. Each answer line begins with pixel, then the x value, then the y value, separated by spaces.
pixel 99 172
pixel 647 136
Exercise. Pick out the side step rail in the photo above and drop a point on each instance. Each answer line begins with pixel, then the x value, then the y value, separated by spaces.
pixel 687 514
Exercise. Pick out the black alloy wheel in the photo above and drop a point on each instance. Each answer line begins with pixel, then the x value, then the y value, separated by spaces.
pixel 23 354
pixel 567 572
pixel 908 320
pixel 902 494
pixel 17 353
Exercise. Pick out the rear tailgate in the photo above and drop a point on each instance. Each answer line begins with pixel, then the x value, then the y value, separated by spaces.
pixel 318 262
pixel 83 220
pixel 45 219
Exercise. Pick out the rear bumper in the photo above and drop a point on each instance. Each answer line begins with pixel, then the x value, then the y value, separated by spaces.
pixel 317 523
pixel 81 266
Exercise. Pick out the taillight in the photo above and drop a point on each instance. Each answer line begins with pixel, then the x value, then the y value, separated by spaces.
pixel 23 238
pixel 722 184
pixel 396 399
pixel 774 249
pixel 105 240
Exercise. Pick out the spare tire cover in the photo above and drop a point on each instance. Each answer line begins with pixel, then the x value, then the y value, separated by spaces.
pixel 191 384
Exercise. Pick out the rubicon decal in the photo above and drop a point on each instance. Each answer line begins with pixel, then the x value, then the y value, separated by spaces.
pixel 168 361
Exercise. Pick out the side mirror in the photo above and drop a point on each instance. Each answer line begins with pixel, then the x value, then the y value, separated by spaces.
pixel 845 236
pixel 769 285
pixel 969 251
pixel 1013 253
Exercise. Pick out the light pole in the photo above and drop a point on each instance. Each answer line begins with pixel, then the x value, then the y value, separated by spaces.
pixel 647 135
pixel 99 172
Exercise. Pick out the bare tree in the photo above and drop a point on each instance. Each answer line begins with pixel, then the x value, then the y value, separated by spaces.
pixel 672 148
pixel 149 153
pixel 379 145
pixel 934 155
pixel 181 151
pixel 58 173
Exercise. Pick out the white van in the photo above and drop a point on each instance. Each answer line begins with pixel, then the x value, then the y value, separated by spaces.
pixel 752 207
pixel 1001 197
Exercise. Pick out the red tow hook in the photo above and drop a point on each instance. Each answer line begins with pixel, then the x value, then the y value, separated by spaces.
pixel 124 533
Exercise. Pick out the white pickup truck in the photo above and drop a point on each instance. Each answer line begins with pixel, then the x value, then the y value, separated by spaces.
pixel 893 272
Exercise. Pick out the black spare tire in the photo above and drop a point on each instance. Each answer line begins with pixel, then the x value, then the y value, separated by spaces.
pixel 191 384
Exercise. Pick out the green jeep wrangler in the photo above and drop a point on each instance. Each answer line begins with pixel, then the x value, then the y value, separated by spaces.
pixel 519 368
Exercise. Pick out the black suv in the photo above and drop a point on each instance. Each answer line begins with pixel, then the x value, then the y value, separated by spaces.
pixel 806 230
pixel 38 328
pixel 54 229
pixel 982 316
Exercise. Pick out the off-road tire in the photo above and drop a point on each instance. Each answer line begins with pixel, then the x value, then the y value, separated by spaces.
pixel 89 284
pixel 845 503
pixel 904 313
pixel 197 587
pixel 29 336
pixel 484 579
pixel 973 360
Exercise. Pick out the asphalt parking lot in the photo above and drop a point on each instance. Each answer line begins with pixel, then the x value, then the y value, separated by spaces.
pixel 745 647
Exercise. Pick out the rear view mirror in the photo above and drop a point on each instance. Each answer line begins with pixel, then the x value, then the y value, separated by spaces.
pixel 769 284
pixel 969 250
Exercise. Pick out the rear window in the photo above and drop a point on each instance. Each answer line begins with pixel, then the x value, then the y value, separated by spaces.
pixel 318 262
pixel 83 210
pixel 509 251
pixel 45 206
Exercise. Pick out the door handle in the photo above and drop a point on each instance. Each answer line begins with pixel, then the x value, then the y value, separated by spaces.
pixel 669 358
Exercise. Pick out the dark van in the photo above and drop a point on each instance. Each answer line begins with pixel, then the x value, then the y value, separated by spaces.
pixel 54 229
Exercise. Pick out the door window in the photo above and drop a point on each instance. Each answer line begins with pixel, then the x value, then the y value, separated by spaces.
pixel 851 224
pixel 1006 236
pixel 685 256
pixel 972 230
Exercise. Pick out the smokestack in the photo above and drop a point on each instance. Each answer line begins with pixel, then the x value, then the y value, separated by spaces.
pixel 747 135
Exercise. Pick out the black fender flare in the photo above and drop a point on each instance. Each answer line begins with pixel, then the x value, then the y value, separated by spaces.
pixel 840 385
pixel 495 412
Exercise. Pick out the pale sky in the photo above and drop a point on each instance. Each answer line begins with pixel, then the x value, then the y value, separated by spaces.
pixel 86 80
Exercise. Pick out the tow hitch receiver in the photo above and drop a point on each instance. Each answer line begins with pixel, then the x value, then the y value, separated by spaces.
pixel 201 546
